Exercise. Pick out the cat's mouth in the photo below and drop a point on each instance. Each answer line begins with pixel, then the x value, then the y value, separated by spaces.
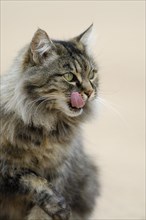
pixel 74 109
pixel 76 102
pixel 74 105
pixel 71 111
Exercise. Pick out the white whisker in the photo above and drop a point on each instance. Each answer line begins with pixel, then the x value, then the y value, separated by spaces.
pixel 110 106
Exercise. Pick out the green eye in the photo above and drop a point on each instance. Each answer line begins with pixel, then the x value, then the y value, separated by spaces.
pixel 68 76
pixel 91 75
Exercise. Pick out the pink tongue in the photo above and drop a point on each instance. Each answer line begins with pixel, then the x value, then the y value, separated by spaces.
pixel 76 100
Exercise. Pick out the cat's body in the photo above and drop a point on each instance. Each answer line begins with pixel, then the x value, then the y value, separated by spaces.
pixel 44 172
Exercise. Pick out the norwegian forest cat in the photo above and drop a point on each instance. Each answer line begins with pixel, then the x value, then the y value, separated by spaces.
pixel 47 94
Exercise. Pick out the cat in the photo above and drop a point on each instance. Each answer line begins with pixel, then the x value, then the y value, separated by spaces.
pixel 45 97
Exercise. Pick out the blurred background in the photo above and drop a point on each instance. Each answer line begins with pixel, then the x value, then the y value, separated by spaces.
pixel 115 137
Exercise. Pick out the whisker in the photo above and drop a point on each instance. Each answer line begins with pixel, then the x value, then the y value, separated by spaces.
pixel 51 97
pixel 110 106
pixel 45 100
pixel 32 103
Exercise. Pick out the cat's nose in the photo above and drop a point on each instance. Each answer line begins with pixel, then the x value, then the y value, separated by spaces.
pixel 87 88
pixel 88 92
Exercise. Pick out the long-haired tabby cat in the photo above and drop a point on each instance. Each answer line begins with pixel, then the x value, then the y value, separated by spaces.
pixel 47 94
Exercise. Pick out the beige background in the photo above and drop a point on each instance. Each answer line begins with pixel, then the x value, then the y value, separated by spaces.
pixel 114 139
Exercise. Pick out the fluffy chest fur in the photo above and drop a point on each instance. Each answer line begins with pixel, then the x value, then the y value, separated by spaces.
pixel 38 149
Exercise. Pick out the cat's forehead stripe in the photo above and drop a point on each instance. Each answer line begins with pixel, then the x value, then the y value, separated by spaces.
pixel 78 62
pixel 77 66
pixel 86 63
pixel 83 64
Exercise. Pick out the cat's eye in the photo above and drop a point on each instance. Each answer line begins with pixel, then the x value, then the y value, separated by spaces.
pixel 68 76
pixel 92 74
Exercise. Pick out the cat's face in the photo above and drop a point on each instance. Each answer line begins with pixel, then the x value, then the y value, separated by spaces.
pixel 63 77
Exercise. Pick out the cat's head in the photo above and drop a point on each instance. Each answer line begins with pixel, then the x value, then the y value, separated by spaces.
pixel 60 76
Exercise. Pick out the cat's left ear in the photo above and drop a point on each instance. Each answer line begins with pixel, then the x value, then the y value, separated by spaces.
pixel 86 37
pixel 41 47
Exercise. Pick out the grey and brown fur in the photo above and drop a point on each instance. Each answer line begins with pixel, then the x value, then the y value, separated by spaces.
pixel 44 172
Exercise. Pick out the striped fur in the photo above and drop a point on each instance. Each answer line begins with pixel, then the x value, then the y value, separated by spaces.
pixel 44 172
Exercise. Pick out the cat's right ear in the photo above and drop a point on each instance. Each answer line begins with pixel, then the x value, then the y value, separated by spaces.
pixel 41 47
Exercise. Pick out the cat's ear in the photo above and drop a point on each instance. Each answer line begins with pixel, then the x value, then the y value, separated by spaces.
pixel 86 36
pixel 41 46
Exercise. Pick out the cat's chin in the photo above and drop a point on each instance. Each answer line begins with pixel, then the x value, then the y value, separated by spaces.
pixel 70 111
pixel 74 112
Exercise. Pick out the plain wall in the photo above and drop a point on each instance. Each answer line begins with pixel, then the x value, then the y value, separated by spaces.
pixel 115 138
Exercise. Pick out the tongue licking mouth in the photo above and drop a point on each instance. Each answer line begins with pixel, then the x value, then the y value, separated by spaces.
pixel 77 100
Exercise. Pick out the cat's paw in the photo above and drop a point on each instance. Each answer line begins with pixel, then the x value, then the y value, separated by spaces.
pixel 62 215
pixel 57 208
